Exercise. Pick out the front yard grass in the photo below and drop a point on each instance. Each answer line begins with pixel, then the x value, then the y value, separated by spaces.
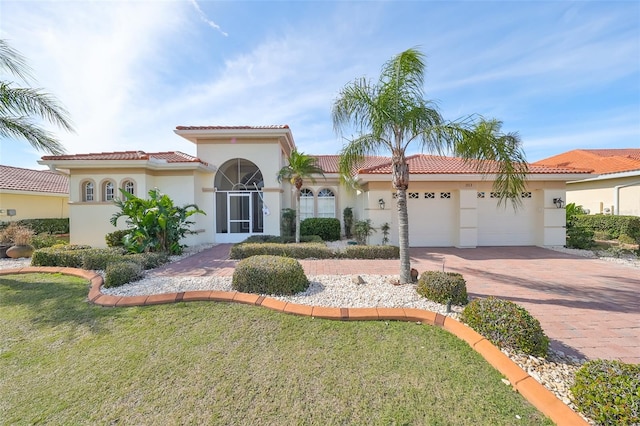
pixel 64 361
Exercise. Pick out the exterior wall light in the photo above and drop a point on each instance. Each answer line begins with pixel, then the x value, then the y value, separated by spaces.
pixel 559 202
pixel 381 203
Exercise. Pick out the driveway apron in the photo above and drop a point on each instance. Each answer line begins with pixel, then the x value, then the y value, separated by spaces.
pixel 589 308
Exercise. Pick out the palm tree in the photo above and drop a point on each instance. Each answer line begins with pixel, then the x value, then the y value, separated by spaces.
pixel 20 105
pixel 392 113
pixel 300 167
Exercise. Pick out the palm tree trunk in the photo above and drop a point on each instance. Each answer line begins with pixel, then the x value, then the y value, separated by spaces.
pixel 297 215
pixel 403 234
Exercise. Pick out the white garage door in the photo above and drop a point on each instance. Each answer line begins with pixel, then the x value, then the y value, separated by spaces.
pixel 433 218
pixel 502 226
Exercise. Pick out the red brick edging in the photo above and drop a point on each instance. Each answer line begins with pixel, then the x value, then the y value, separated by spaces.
pixel 539 396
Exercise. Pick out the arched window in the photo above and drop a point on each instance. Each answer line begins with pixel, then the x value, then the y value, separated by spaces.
pixel 306 203
pixel 326 203
pixel 129 186
pixel 108 191
pixel 88 191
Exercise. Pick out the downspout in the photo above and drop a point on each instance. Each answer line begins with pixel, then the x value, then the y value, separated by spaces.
pixel 616 195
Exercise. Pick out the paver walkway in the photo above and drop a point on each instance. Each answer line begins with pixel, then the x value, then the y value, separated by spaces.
pixel 588 307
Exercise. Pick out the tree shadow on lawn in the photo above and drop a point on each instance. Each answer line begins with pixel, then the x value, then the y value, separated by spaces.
pixel 54 299
pixel 601 297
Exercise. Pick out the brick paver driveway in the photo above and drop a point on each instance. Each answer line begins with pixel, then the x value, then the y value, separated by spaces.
pixel 588 307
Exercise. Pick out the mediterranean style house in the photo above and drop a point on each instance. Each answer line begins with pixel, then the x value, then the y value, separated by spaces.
pixel 32 194
pixel 613 184
pixel 233 179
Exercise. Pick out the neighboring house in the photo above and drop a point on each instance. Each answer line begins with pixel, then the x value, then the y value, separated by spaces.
pixel 614 184
pixel 234 180
pixel 32 194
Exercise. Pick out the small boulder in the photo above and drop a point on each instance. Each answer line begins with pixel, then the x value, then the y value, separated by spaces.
pixel 358 280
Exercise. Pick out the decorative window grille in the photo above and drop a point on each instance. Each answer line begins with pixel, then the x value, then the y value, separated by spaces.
pixel 495 195
pixel 445 195
pixel 526 195
pixel 326 203
pixel 430 195
pixel 413 195
pixel 394 195
pixel 480 194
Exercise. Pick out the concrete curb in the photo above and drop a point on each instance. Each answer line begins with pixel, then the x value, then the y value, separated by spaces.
pixel 539 396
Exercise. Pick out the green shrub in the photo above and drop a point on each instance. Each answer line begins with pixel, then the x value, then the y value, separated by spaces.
pixel 288 223
pixel 327 228
pixel 608 392
pixel 506 324
pixel 370 252
pixel 148 260
pixel 46 226
pixel 625 239
pixel 579 237
pixel 46 240
pixel 120 273
pixel 116 238
pixel 296 251
pixel 363 230
pixel 443 287
pixel 58 255
pixel 269 275
pixel 613 225
pixel 347 218
pixel 98 259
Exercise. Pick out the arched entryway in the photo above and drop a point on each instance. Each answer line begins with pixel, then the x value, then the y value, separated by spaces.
pixel 238 201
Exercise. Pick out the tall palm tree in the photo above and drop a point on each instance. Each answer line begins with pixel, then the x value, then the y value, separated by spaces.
pixel 300 167
pixel 392 113
pixel 20 107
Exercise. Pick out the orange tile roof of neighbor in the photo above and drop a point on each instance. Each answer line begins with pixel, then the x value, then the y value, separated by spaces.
pixel 18 179
pixel 275 126
pixel 169 156
pixel 598 161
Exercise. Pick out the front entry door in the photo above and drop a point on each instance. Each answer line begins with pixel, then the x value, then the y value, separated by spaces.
pixel 239 212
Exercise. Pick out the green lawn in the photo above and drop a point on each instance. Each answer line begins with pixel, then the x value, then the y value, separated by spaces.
pixel 64 361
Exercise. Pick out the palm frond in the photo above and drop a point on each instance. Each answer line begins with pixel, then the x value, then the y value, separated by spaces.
pixel 24 128
pixel 12 61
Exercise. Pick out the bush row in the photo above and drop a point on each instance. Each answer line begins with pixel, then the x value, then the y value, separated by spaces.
pixel 313 251
pixel 43 226
pixel 614 226
pixel 114 261
pixel 282 239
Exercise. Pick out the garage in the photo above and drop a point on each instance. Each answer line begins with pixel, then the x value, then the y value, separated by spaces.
pixel 432 218
pixel 504 226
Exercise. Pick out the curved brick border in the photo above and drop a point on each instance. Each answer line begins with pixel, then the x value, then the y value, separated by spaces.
pixel 539 396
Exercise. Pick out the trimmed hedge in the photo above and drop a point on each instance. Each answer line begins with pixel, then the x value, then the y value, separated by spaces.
pixel 114 239
pixel 608 392
pixel 120 273
pixel 443 287
pixel 43 226
pixel 326 227
pixel 85 257
pixel 614 226
pixel 269 275
pixel 282 239
pixel 506 324
pixel 370 252
pixel 296 251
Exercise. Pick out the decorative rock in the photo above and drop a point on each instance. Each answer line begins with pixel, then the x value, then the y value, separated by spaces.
pixel 16 252
pixel 358 280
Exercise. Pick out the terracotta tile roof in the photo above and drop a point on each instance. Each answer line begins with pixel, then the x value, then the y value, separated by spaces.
pixel 18 179
pixel 169 156
pixel 598 161
pixel 276 126
pixel 329 163
pixel 434 164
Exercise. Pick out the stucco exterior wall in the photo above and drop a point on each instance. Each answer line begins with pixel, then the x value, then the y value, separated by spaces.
pixel 598 195
pixel 31 205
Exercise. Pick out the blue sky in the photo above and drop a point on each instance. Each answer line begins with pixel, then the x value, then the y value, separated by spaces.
pixel 564 75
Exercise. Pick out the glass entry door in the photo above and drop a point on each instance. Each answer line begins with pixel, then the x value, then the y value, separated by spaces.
pixel 239 208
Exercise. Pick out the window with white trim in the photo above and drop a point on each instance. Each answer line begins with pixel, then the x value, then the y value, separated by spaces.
pixel 88 191
pixel 108 191
pixel 129 186
pixel 326 203
pixel 306 203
